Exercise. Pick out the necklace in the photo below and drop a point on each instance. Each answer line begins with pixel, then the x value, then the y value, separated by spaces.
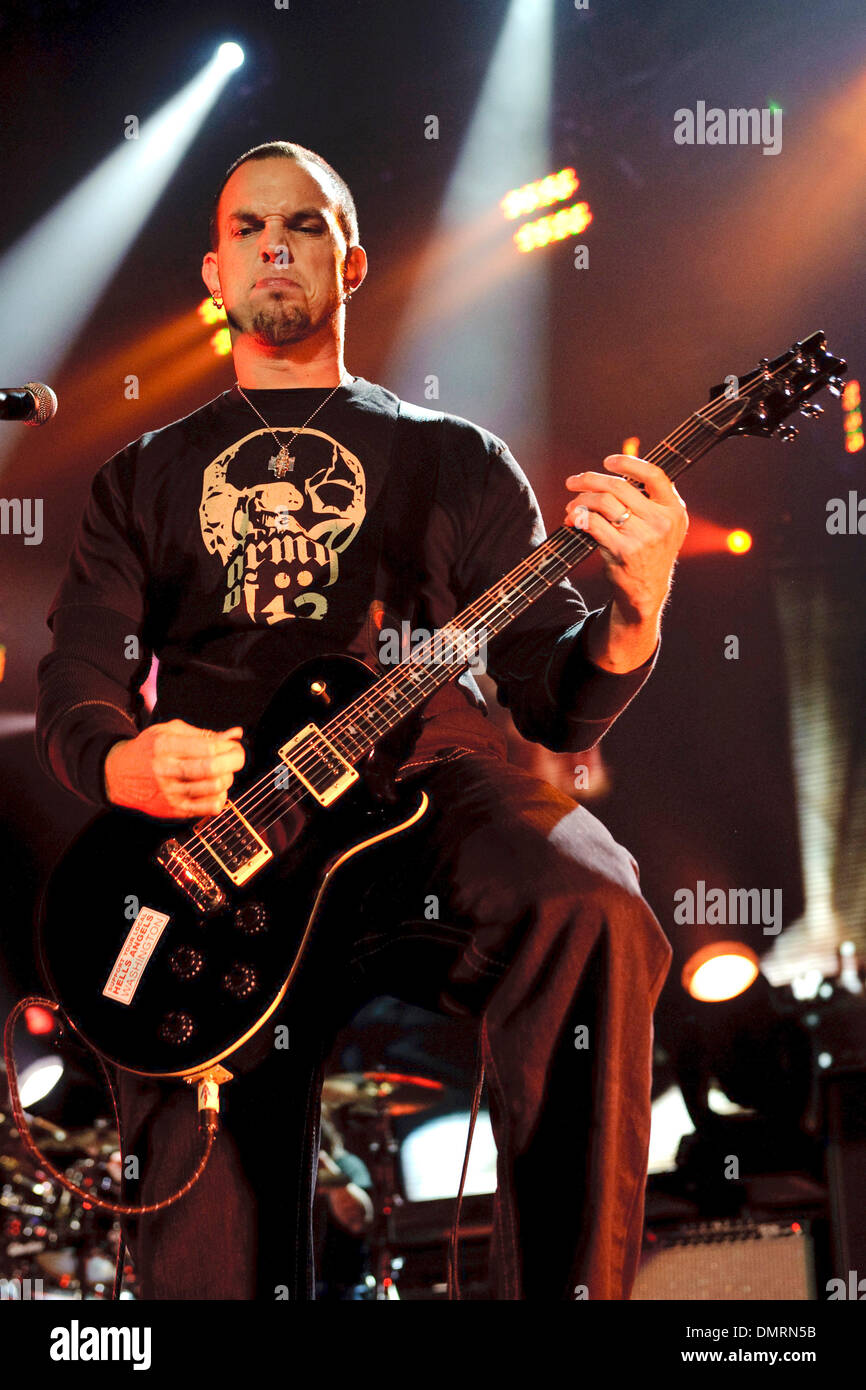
pixel 283 461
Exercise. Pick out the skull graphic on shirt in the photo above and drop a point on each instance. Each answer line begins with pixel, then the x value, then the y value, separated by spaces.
pixel 280 540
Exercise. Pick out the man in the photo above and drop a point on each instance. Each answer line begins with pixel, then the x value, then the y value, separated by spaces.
pixel 250 535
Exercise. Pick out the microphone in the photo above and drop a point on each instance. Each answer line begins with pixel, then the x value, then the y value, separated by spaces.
pixel 34 403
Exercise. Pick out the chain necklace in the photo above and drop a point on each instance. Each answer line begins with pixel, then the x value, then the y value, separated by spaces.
pixel 283 462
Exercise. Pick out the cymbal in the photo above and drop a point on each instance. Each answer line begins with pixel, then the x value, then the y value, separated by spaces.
pixel 13 1145
pixel 93 1140
pixel 97 1139
pixel 380 1092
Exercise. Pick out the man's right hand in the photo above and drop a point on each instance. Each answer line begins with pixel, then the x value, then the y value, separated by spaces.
pixel 174 770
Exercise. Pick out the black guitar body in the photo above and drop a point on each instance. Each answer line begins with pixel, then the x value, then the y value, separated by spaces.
pixel 214 979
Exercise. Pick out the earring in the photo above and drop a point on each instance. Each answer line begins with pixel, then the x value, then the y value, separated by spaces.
pixel 217 301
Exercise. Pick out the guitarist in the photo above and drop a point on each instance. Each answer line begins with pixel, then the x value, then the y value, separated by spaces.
pixel 244 538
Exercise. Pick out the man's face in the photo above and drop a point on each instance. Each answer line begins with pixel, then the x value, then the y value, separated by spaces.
pixel 279 262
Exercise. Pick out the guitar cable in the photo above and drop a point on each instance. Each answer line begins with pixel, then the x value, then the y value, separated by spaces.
pixel 208 1108
pixel 453 1263
pixel 208 1113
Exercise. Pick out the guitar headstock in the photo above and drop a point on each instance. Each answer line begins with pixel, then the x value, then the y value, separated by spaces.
pixel 761 401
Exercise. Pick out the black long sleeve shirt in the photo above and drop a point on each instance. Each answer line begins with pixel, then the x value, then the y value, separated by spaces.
pixel 194 548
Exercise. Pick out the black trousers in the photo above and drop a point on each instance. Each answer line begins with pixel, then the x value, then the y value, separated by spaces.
pixel 509 903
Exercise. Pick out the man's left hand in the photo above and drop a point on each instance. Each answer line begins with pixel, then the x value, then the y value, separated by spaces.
pixel 639 553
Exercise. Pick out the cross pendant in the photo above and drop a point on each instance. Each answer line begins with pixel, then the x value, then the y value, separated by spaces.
pixel 282 462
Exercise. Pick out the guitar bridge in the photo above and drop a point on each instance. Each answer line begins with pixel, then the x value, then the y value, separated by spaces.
pixel 326 773
pixel 190 877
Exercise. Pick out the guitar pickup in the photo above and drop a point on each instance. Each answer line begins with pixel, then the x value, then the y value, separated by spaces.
pixel 238 849
pixel 316 762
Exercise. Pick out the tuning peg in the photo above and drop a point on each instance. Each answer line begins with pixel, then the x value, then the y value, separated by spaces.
pixel 812 410
pixel 786 433
pixel 834 385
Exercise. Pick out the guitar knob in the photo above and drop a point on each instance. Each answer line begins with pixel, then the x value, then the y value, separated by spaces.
pixel 176 1028
pixel 786 433
pixel 812 410
pixel 252 919
pixel 240 981
pixel 186 962
pixel 320 690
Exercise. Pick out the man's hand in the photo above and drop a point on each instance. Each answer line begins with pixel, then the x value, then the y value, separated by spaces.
pixel 639 553
pixel 174 770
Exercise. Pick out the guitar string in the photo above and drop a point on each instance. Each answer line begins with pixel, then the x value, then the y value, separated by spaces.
pixel 266 789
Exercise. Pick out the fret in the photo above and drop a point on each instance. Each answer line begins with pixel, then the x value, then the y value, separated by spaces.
pixel 708 423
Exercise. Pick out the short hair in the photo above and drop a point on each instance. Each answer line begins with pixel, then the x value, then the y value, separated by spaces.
pixel 347 216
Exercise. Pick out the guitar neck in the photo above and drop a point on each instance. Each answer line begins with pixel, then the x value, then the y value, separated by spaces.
pixel 444 655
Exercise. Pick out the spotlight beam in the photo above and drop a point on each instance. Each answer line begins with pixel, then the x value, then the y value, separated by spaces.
pixel 54 275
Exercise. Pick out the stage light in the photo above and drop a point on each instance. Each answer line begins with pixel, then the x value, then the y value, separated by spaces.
pixel 558 225
pixel 555 188
pixel 631 446
pixel 670 1122
pixel 95 224
pixel 38 1079
pixel 209 313
pixel 431 1157
pixel 498 372
pixel 852 417
pixel 738 542
pixel 229 56
pixel 721 970
pixel 38 1021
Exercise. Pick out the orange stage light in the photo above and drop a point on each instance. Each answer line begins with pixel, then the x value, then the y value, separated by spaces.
pixel 221 342
pixel 555 227
pixel 38 1021
pixel 852 417
pixel 555 188
pixel 209 313
pixel 631 446
pixel 719 971
pixel 738 542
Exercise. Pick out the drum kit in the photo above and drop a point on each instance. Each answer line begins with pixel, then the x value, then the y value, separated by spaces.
pixel 373 1100
pixel 53 1244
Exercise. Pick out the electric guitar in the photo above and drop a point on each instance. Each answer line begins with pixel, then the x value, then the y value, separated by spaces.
pixel 170 946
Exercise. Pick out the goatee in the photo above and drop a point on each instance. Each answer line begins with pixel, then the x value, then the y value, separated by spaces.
pixel 277 323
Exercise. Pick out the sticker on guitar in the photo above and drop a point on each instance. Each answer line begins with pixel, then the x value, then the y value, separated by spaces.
pixel 134 954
